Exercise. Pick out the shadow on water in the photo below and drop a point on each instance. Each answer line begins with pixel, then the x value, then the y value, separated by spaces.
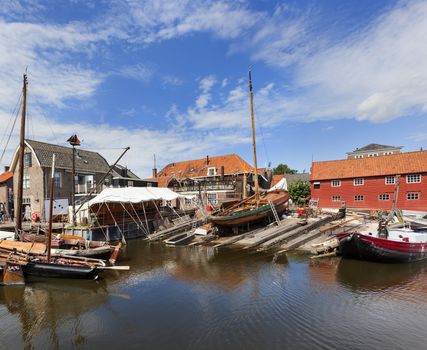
pixel 369 276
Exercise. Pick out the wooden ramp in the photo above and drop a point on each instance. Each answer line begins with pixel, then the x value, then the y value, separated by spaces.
pixel 180 227
pixel 293 234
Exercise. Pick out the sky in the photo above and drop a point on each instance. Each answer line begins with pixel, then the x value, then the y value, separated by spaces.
pixel 170 78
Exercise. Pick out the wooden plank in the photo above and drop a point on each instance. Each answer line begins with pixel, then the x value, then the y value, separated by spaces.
pixel 24 247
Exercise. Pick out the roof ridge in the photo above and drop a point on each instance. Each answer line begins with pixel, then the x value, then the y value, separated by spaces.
pixel 358 159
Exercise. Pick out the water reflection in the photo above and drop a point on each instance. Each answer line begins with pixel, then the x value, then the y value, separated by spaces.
pixel 42 305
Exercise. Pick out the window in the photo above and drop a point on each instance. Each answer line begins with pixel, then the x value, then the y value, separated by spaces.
pixel 390 180
pixel 336 198
pixel 388 153
pixel 413 178
pixel 359 198
pixel 384 197
pixel 168 203
pixel 373 155
pixel 412 196
pixel 336 183
pixel 130 183
pixel 316 185
pixel 358 182
pixel 27 160
pixel 358 156
pixel 212 198
pixel 211 171
pixel 57 180
pixel 26 181
pixel 188 201
pixel 149 184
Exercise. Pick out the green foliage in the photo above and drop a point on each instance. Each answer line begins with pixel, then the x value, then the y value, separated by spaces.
pixel 283 169
pixel 298 191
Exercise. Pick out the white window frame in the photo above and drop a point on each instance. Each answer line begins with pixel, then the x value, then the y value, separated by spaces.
pixel 336 198
pixel 26 181
pixel 413 196
pixel 373 155
pixel 316 183
pixel 212 198
pixel 359 198
pixel 358 156
pixel 209 171
pixel 411 177
pixel 57 179
pixel 389 177
pixel 384 197
pixel 335 183
pixel 358 184
pixel 388 153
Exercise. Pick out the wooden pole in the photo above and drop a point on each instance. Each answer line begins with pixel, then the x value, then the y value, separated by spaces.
pixel 73 192
pixel 18 210
pixel 253 139
pixel 49 233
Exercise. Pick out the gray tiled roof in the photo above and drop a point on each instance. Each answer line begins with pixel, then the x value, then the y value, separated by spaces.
pixel 116 172
pixel 294 177
pixel 85 161
pixel 373 147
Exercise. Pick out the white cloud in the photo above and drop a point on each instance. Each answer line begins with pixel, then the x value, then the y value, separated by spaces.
pixel 139 72
pixel 377 74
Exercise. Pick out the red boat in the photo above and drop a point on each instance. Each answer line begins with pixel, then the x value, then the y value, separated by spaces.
pixel 396 246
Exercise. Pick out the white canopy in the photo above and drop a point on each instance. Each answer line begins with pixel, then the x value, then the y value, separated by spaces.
pixel 281 185
pixel 134 195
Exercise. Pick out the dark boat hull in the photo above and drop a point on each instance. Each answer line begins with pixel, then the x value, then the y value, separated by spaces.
pixel 61 271
pixel 363 247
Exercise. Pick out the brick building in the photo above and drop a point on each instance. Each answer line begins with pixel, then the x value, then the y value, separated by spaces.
pixel 217 179
pixel 369 183
pixel 6 192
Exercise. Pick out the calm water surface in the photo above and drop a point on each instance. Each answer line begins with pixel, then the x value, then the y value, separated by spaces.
pixel 198 298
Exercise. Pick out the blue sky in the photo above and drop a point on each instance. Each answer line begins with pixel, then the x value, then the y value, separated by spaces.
pixel 170 77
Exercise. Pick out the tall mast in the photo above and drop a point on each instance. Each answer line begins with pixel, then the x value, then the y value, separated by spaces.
pixel 253 138
pixel 49 232
pixel 21 157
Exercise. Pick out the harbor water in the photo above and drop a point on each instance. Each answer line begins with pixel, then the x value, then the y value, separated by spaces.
pixel 200 298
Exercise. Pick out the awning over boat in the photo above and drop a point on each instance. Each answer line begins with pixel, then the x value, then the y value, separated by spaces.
pixel 281 185
pixel 135 195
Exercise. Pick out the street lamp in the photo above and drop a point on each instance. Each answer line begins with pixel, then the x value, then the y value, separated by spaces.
pixel 74 141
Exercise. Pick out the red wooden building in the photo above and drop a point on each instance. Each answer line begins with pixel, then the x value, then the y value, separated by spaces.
pixel 369 183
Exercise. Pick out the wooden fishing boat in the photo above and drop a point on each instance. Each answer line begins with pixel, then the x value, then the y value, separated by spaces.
pixel 397 246
pixel 247 211
pixel 259 206
pixel 63 268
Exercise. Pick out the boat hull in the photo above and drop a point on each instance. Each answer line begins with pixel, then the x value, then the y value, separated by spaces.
pixel 255 215
pixel 41 269
pixel 99 252
pixel 364 247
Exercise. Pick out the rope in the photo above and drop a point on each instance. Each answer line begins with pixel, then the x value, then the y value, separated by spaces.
pixel 142 229
pixel 115 222
pixel 147 229
pixel 145 216
pixel 10 134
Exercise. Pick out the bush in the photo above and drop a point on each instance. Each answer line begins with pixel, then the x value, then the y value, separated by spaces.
pixel 299 191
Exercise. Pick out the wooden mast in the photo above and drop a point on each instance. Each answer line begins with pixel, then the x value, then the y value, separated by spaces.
pixel 49 232
pixel 253 139
pixel 18 211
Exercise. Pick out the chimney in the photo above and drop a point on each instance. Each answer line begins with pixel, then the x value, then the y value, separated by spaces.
pixel 6 168
pixel 155 167
pixel 207 160
pixel 222 172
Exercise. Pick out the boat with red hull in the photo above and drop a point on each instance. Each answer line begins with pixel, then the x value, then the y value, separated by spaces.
pixel 361 246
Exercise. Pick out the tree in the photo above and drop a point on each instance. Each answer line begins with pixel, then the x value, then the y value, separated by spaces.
pixel 283 169
pixel 299 190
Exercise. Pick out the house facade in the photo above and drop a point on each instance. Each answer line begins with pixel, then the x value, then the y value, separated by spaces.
pixel 121 176
pixel 90 167
pixel 373 150
pixel 371 183
pixel 213 179
pixel 6 192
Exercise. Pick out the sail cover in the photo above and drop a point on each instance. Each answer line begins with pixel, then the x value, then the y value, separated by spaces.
pixel 281 185
pixel 135 195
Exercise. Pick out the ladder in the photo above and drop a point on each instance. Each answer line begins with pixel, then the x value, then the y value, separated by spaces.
pixel 273 209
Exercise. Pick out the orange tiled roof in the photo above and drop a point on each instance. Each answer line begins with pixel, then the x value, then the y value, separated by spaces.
pixel 401 163
pixel 275 180
pixel 6 176
pixel 232 164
